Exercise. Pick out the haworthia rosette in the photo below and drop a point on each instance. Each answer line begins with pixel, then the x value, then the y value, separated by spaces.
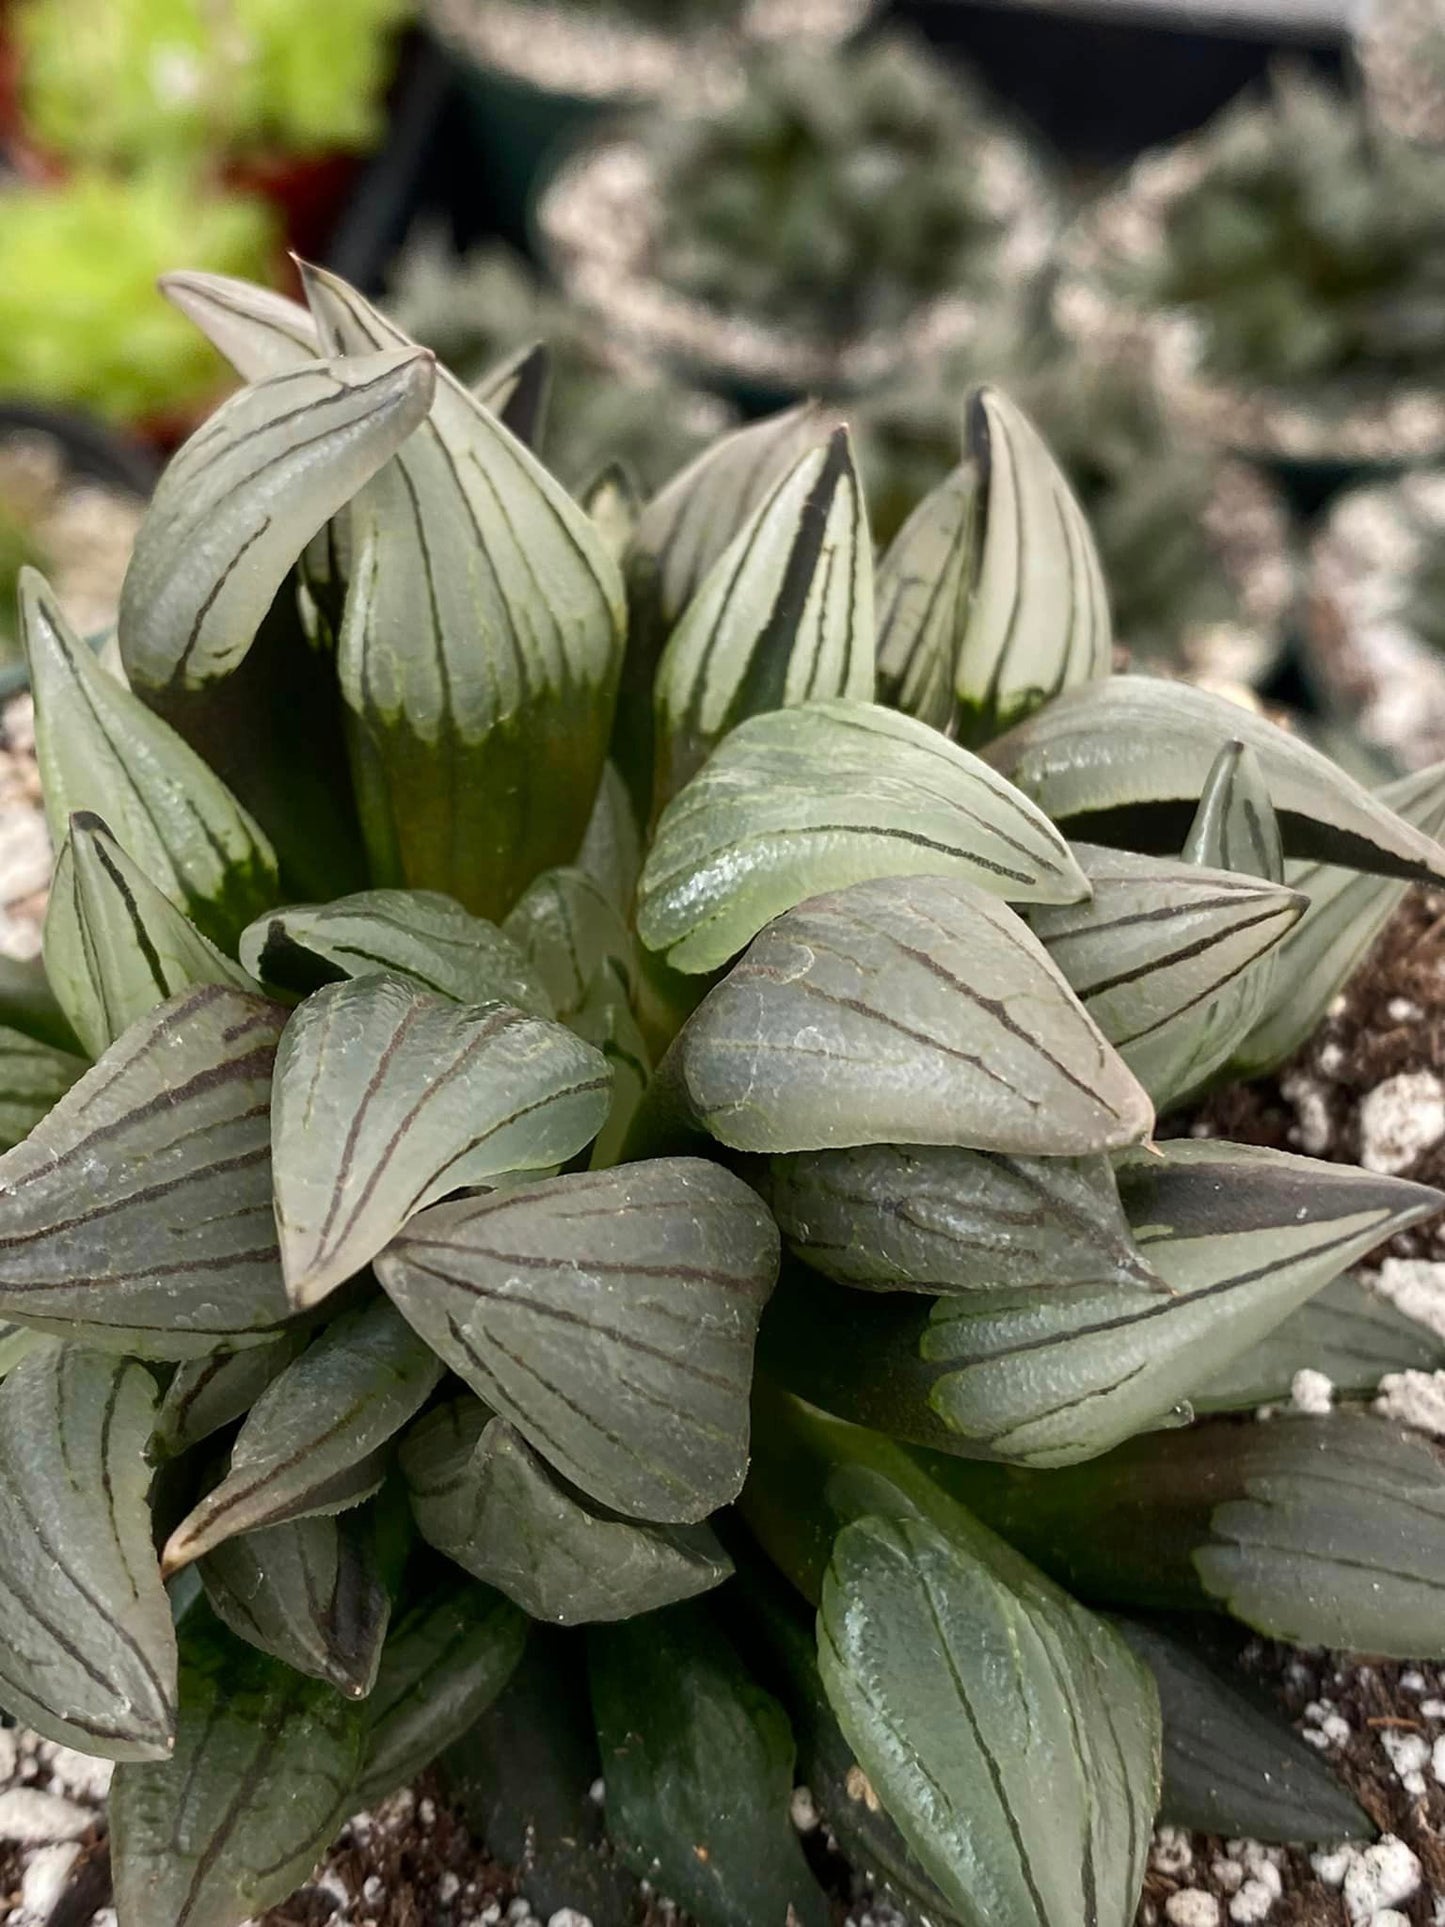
pixel 800 801
pixel 100 749
pixel 784 616
pixel 388 1097
pixel 242 498
pixel 914 1010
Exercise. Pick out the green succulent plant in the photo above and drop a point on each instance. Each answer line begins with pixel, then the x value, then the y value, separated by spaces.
pixel 1309 246
pixel 439 1088
pixel 836 197
pixel 126 81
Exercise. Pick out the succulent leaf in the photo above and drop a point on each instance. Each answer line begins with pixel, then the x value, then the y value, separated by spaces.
pixel 796 802
pixel 28 1004
pixel 1231 1766
pixel 169 1248
pixel 925 583
pixel 482 1496
pixel 264 1766
pixel 912 1009
pixel 612 501
pixel 101 750
pixel 205 1394
pixel 1159 951
pixel 784 616
pixel 33 1079
pixel 1347 911
pixel 606 1021
pixel 1126 760
pixel 515 391
pixel 445 1660
pixel 568 926
pixel 242 498
pixel 480 647
pixel 939 1219
pixel 698 1764
pixel 1038 615
pixel 308 1593
pixel 87 1649
pixel 419 934
pixel 610 1317
pixel 611 852
pixel 259 331
pixel 388 1097
pixel 115 947
pixel 326 1414
pixel 1235 827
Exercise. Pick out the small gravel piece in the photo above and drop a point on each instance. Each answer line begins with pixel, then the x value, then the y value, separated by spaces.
pixel 1312 1393
pixel 1400 1120
pixel 37 1819
pixel 1192 1907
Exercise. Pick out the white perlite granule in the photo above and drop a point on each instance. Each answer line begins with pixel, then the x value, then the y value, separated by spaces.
pixel 1312 1393
pixel 37 1819
pixel 1409 1754
pixel 1372 1878
pixel 1172 1853
pixel 1192 1908
pixel 1414 1398
pixel 1313 1122
pixel 1399 1119
pixel 1415 1286
pixel 44 1882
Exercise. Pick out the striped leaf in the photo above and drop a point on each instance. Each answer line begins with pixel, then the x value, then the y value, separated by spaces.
pixel 606 1021
pixel 611 500
pixel 1126 760
pixel 205 1394
pixel 17 1343
pixel 1232 1763
pixel 138 1215
pixel 28 1004
pixel 939 1219
pixel 243 497
pixel 100 749
pixel 925 586
pixel 1038 618
pixel 329 1411
pixel 482 1496
pixel 913 1010
pixel 610 1317
pixel 308 1593
pixel 611 852
pixel 115 947
pixel 445 1660
pixel 33 1079
pixel 516 391
pixel 1347 1332
pixel 418 934
pixel 1347 911
pixel 1235 827
pixel 698 1764
pixel 262 1777
pixel 480 648
pixel 388 1097
pixel 784 616
pixel 260 332
pixel 568 926
pixel 680 535
pixel 87 1651
pixel 1010 1734
pixel 1154 952
pixel 799 801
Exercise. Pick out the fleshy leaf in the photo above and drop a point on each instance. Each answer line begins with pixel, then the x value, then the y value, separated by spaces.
pixel 27 1004
pixel 16 1343
pixel 443 1664
pixel 611 852
pixel 568 927
pixel 610 1317
pixel 242 498
pixel 1038 618
pixel 351 1391
pixel 1347 1332
pixel 698 1765
pixel 784 616
pixel 1126 760
pixel 309 1594
pixel 1235 827
pixel 100 749
pixel 924 586
pixel 259 332
pixel 115 947
pixel 516 389
pixel 205 1394
pixel 914 1010
pixel 938 1219
pixel 388 1097
pixel 1010 1734
pixel 480 648
pixel 799 801
pixel 1162 944
pixel 87 1650
pixel 1347 911
pixel 33 1079
pixel 1230 1766
pixel 419 934
pixel 138 1215
pixel 606 1021
pixel 482 1496
pixel 611 500
pixel 263 1772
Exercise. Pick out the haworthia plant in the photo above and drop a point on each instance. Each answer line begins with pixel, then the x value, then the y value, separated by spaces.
pixel 557 1084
